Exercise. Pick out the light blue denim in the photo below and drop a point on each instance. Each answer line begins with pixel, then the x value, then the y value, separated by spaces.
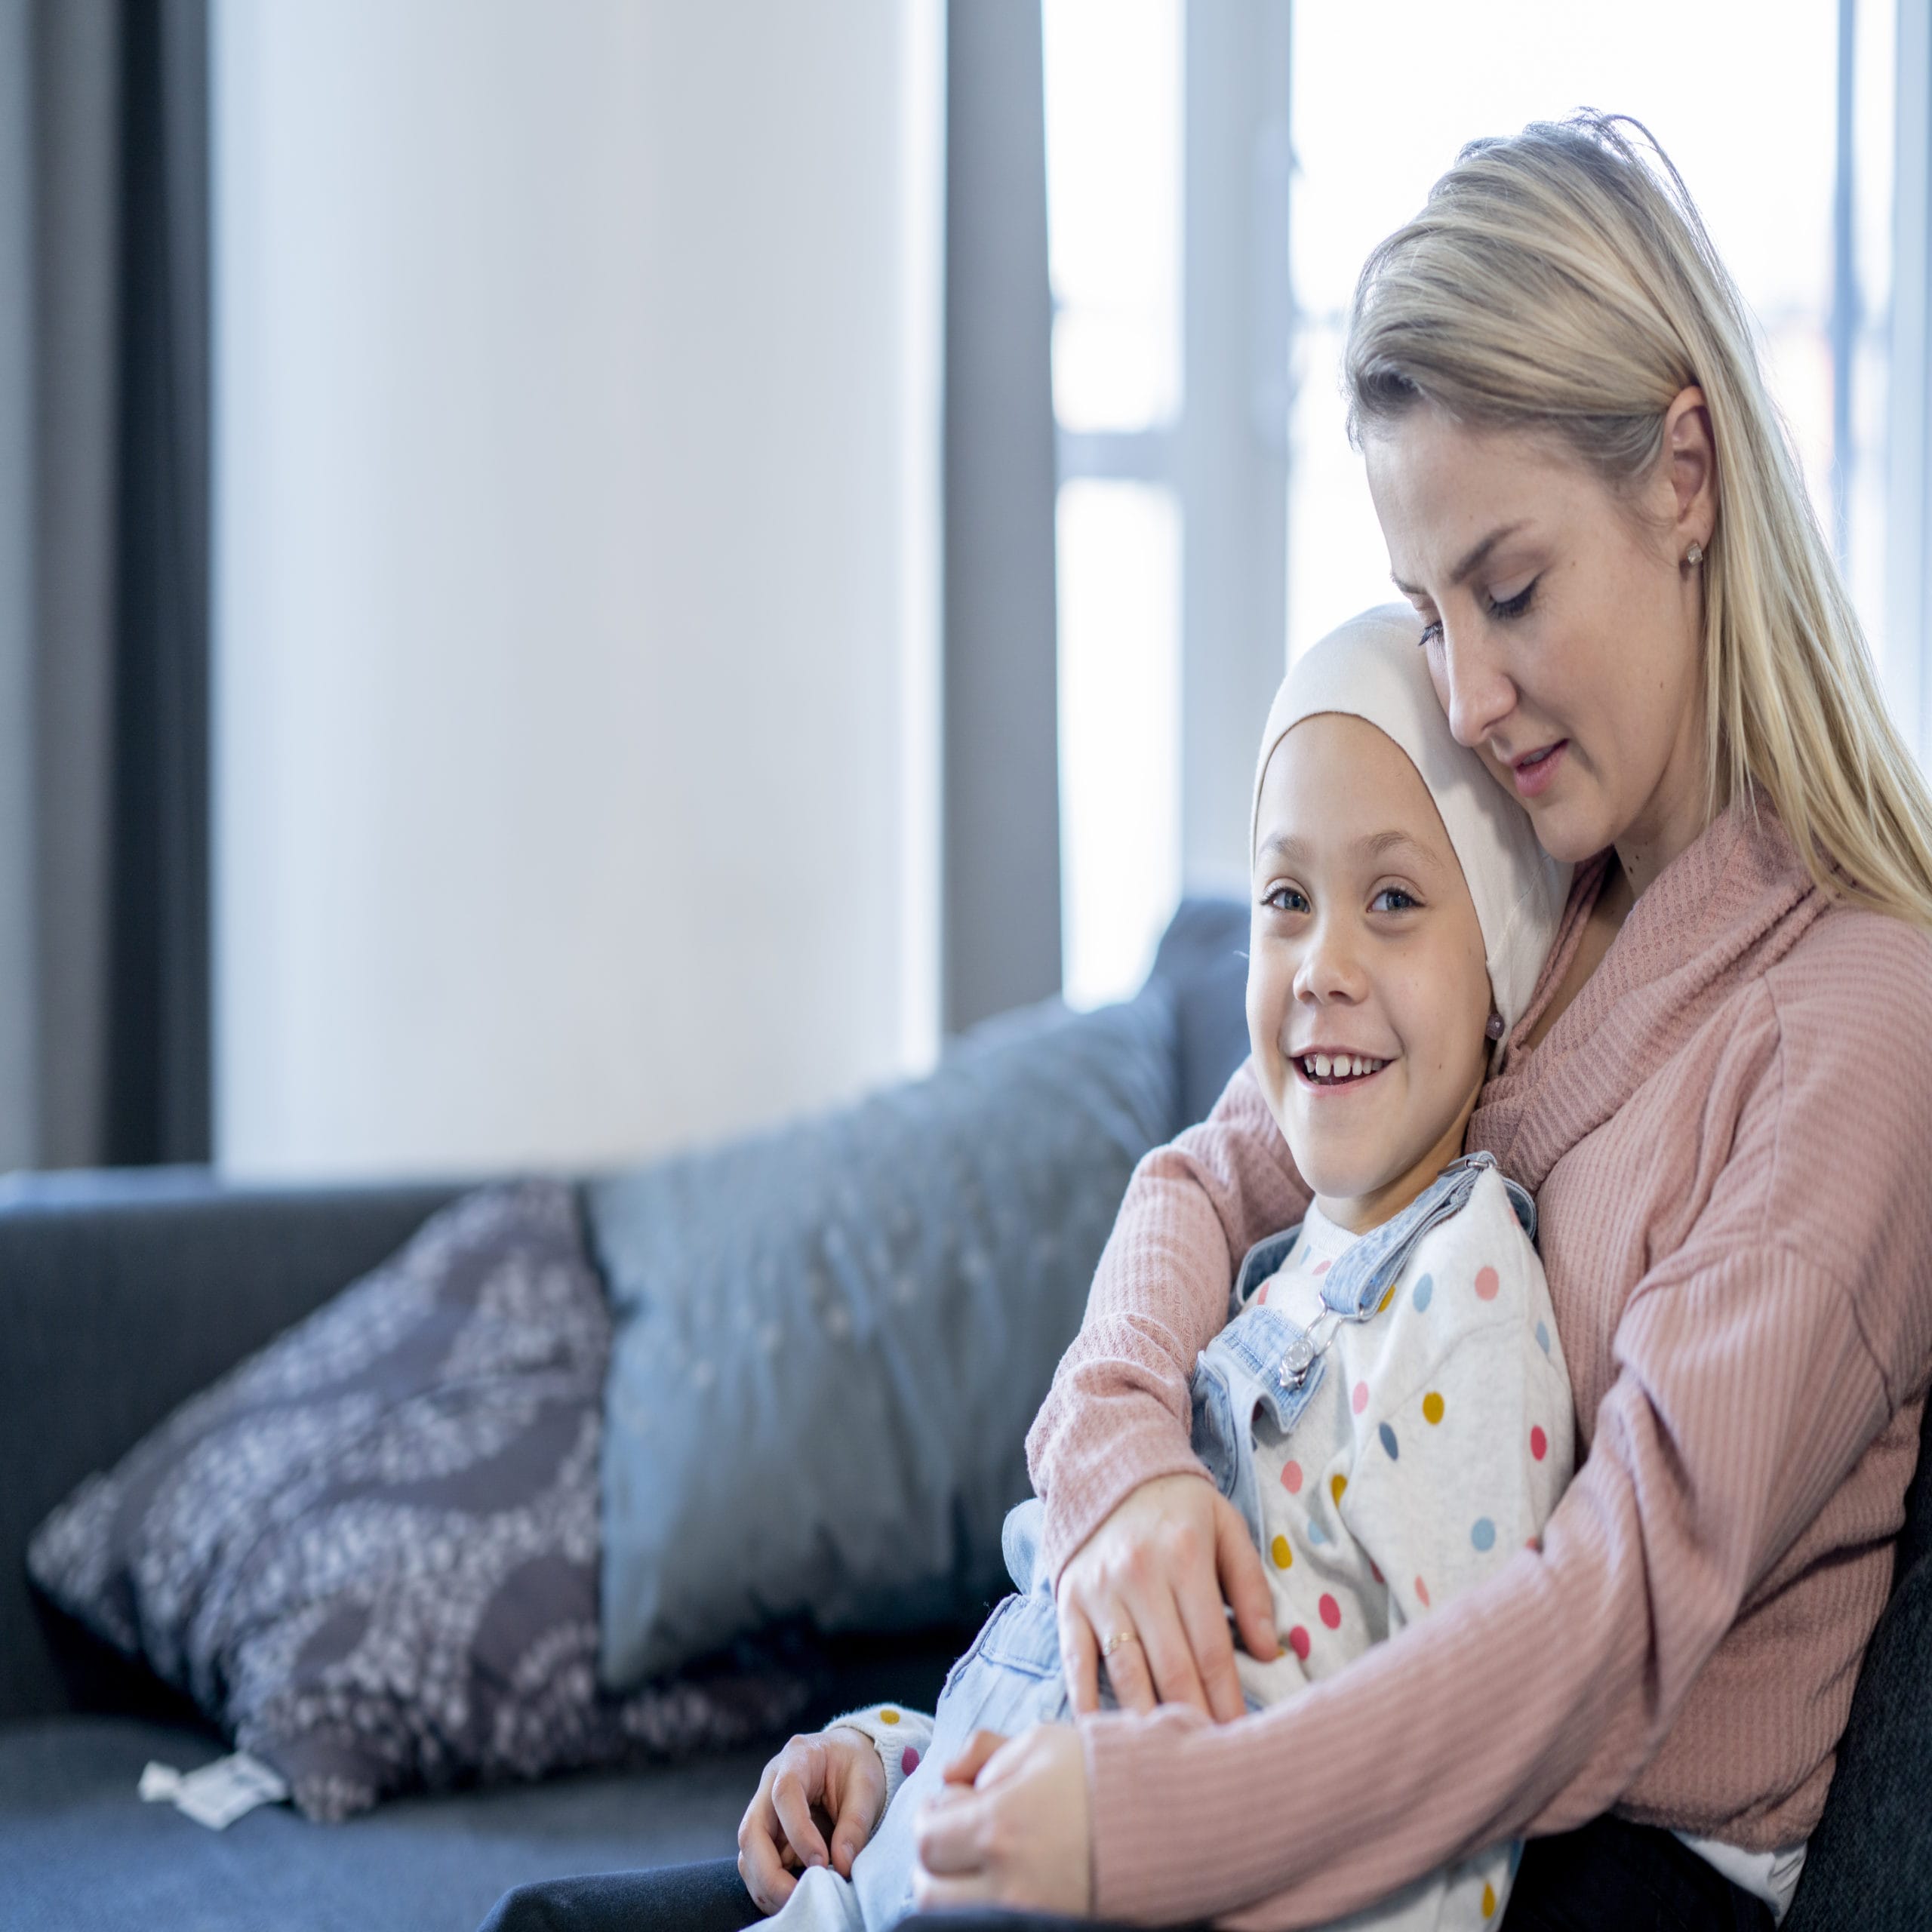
pixel 1011 1679
pixel 1008 1682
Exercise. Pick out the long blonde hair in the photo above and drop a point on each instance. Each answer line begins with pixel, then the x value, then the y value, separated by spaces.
pixel 1560 281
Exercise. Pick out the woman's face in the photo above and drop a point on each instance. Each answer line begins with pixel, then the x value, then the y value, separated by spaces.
pixel 1564 633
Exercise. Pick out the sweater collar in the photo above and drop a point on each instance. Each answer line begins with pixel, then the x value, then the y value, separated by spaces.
pixel 1721 913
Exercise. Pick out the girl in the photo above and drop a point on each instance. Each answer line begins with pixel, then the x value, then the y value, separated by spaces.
pixel 1388 1408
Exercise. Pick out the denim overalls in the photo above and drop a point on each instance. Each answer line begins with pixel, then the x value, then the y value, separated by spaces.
pixel 1011 1679
pixel 1262 1360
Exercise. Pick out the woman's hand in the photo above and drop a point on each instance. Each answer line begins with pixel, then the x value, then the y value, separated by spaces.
pixel 1152 1579
pixel 1009 1827
pixel 832 1782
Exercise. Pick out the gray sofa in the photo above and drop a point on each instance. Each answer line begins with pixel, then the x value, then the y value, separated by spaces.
pixel 122 1294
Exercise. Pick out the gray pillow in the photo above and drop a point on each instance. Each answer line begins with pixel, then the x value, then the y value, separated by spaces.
pixel 831 1338
pixel 370 1551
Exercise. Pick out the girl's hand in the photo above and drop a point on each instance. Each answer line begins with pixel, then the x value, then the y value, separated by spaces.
pixel 1010 1828
pixel 1152 1578
pixel 832 1782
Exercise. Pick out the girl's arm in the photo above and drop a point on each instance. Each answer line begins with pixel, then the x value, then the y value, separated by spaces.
pixel 1118 1412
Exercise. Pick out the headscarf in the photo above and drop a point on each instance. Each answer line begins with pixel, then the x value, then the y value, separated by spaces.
pixel 1371 668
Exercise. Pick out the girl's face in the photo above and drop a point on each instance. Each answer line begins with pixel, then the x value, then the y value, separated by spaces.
pixel 1564 635
pixel 1367 993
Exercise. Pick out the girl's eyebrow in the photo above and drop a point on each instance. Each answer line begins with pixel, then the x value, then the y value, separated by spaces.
pixel 1287 849
pixel 1382 845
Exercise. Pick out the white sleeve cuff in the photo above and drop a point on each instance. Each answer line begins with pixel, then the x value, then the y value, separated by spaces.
pixel 901 1737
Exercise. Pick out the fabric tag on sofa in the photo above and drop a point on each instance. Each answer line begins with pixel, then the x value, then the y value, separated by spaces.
pixel 217 1794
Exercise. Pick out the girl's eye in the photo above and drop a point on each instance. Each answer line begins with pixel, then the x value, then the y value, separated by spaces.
pixel 1394 898
pixel 1432 633
pixel 1286 898
pixel 1513 607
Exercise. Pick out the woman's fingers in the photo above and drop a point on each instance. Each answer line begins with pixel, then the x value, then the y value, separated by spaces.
pixel 1244 1582
pixel 1124 1657
pixel 1162 1640
pixel 948 1832
pixel 1205 1620
pixel 1019 1838
pixel 1144 1582
pixel 981 1746
pixel 1079 1656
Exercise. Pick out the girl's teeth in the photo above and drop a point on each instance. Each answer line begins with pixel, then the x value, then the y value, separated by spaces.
pixel 1340 1067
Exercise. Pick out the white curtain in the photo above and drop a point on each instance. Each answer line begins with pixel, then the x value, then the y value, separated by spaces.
pixel 576 603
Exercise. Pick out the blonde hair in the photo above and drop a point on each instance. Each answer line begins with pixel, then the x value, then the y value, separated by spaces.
pixel 1561 282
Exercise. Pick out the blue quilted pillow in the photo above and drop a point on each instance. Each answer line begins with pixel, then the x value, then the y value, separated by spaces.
pixel 831 1338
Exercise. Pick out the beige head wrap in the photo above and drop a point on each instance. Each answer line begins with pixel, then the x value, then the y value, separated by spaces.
pixel 1371 669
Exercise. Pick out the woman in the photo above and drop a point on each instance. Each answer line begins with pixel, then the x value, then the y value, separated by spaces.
pixel 1722 1096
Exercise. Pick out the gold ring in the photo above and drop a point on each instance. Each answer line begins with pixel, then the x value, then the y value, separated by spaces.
pixel 1114 1642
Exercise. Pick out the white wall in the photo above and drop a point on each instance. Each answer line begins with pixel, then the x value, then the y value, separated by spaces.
pixel 577 521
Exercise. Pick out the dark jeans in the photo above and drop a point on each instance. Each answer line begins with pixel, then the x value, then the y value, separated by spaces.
pixel 1608 1877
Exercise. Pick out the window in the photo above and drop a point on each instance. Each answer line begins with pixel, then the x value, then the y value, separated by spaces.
pixel 1113 82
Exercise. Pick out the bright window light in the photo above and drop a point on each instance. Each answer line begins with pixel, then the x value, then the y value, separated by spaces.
pixel 1114 163
pixel 1119 746
pixel 1113 87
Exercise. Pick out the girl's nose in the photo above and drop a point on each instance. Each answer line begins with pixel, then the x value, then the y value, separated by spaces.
pixel 1328 972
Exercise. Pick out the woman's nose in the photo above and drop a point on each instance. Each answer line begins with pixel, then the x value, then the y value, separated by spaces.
pixel 1474 690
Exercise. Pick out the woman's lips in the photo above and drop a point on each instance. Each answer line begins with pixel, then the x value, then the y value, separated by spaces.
pixel 1536 773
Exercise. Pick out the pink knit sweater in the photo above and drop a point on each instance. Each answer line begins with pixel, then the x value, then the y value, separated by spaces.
pixel 1730 1135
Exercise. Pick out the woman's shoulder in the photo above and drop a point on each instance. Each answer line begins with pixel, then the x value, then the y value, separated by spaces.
pixel 1855 982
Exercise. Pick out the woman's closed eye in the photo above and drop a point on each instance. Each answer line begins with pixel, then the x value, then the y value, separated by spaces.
pixel 1507 607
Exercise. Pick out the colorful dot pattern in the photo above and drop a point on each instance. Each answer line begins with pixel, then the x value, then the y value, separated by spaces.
pixel 1321 1575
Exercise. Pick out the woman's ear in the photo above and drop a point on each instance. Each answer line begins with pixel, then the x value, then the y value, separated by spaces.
pixel 1694 467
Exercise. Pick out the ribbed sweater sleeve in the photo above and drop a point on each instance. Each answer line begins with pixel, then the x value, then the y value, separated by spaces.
pixel 1119 1412
pixel 1756 1362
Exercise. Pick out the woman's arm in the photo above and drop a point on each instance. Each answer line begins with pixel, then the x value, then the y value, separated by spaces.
pixel 1118 1412
pixel 1756 1365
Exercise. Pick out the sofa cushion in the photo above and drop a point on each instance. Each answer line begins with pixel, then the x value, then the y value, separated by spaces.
pixel 1869 1865
pixel 831 1339
pixel 370 1553
pixel 79 1852
pixel 1203 962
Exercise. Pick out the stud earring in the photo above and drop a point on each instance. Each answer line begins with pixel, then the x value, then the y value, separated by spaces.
pixel 1494 1029
pixel 1694 556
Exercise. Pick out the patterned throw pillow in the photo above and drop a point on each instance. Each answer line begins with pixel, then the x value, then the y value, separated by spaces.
pixel 370 1551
